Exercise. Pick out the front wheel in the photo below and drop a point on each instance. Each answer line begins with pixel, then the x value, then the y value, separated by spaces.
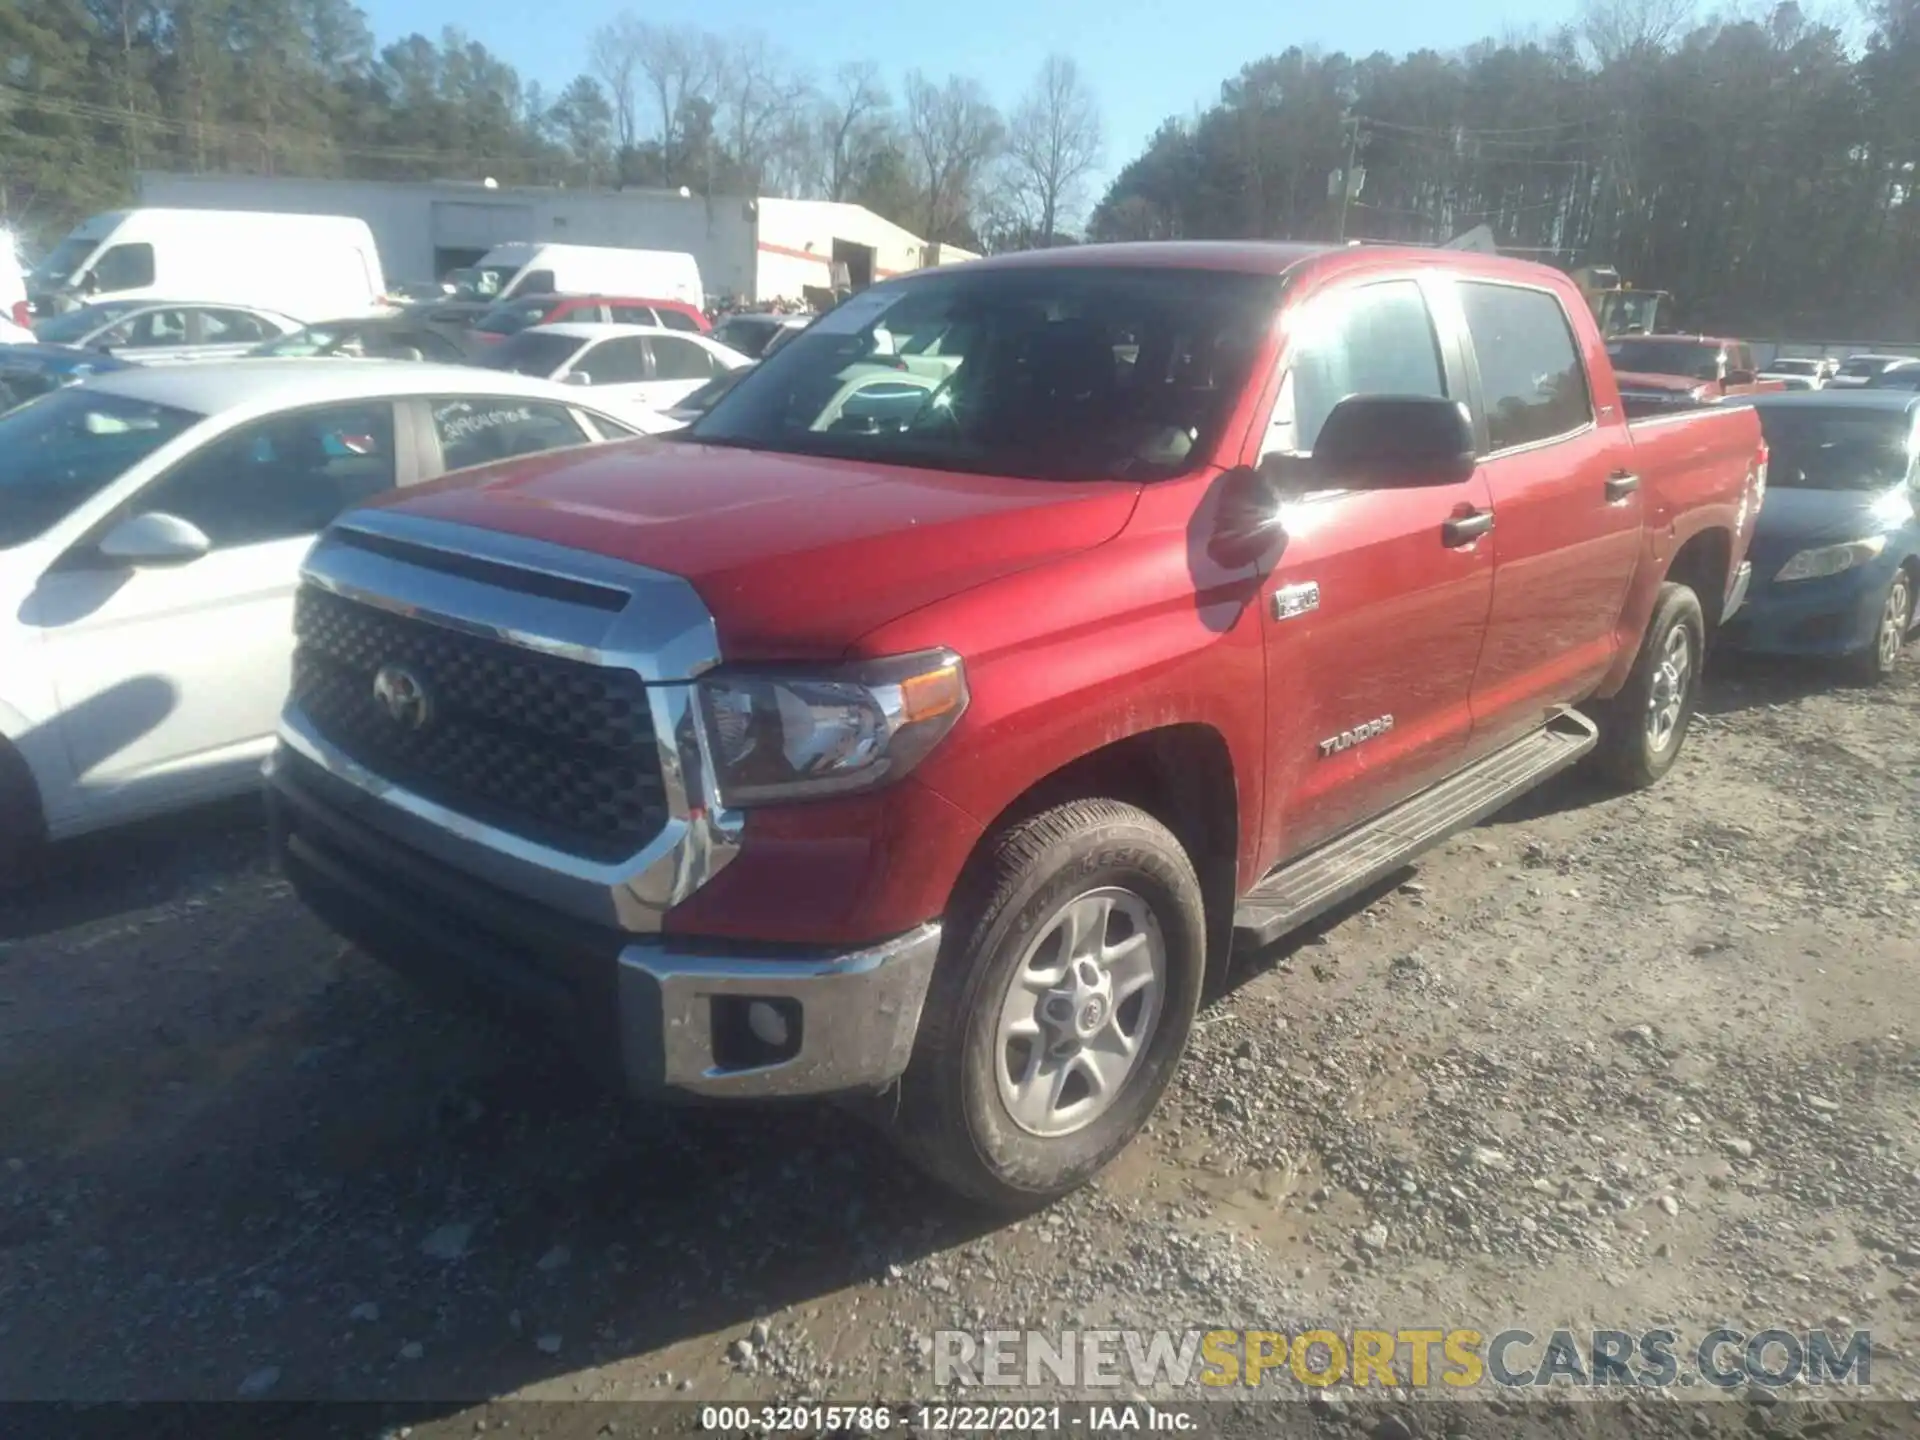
pixel 1060 1008
pixel 1641 728
pixel 1876 662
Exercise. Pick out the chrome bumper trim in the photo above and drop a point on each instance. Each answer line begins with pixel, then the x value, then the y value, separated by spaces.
pixel 859 1014
pixel 664 634
pixel 1742 580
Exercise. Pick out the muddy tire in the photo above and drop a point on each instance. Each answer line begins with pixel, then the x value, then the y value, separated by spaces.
pixel 1643 727
pixel 1875 664
pixel 21 834
pixel 1060 1008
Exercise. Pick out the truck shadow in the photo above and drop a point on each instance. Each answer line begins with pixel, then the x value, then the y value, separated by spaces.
pixel 1737 683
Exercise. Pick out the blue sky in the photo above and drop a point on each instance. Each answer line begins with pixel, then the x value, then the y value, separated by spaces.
pixel 1146 59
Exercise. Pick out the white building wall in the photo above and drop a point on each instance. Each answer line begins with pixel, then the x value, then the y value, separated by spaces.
pixel 764 250
pixel 796 245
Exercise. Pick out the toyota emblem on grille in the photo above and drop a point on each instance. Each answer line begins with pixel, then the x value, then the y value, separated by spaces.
pixel 402 696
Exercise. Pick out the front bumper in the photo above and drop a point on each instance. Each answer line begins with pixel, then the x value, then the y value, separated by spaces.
pixel 1835 615
pixel 659 1017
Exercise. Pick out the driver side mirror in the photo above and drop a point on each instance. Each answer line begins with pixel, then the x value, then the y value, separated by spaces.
pixel 578 377
pixel 152 541
pixel 1380 442
pixel 1739 377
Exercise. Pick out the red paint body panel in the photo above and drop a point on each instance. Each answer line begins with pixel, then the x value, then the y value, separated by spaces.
pixel 795 557
pixel 1090 612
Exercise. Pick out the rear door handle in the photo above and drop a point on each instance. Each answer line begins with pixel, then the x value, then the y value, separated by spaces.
pixel 1465 529
pixel 1621 484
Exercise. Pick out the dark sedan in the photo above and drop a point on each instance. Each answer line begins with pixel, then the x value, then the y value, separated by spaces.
pixel 376 337
pixel 30 371
pixel 1836 547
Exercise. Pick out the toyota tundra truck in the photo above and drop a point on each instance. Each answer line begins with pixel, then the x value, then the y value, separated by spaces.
pixel 927 721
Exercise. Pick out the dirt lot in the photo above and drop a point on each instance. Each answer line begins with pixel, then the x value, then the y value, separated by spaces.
pixel 1603 1062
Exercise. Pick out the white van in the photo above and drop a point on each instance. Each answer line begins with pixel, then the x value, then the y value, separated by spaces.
pixel 525 268
pixel 312 267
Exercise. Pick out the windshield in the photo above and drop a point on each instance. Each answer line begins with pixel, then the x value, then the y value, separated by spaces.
pixel 1082 372
pixel 64 448
pixel 74 326
pixel 532 352
pixel 1664 357
pixel 512 317
pixel 1865 365
pixel 481 282
pixel 1819 449
pixel 57 269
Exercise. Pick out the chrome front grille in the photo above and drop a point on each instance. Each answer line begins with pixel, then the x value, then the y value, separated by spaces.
pixel 555 751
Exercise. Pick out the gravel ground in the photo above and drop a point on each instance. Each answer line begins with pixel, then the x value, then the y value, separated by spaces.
pixel 1604 1061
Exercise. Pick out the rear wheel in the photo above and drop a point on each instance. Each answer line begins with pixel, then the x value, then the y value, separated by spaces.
pixel 1060 1008
pixel 1643 727
pixel 1877 661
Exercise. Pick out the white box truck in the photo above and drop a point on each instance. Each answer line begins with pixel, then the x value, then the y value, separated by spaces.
pixel 311 267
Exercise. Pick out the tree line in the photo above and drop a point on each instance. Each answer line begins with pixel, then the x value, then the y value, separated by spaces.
pixel 1764 169
pixel 93 91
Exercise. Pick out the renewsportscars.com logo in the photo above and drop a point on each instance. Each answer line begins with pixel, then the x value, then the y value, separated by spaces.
pixel 1455 1359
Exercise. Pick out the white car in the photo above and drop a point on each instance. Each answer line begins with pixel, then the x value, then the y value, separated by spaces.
pixel 1796 372
pixel 155 333
pixel 152 525
pixel 1857 371
pixel 646 367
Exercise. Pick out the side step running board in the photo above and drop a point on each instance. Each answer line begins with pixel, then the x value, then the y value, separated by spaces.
pixel 1340 869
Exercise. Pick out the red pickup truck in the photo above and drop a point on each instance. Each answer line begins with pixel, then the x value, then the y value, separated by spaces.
pixel 1657 373
pixel 927 720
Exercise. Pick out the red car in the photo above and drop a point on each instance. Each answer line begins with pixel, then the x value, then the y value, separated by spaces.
pixel 1663 372
pixel 510 317
pixel 926 718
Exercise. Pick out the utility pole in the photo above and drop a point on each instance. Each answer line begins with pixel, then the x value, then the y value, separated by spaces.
pixel 1346 175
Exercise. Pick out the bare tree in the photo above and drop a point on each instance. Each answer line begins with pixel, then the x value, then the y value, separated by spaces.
pixel 953 132
pixel 1617 28
pixel 614 58
pixel 759 97
pixel 853 124
pixel 1054 144
pixel 676 65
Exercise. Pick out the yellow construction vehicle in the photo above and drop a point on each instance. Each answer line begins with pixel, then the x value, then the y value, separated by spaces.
pixel 1621 309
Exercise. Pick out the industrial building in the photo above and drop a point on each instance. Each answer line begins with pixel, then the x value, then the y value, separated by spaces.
pixel 753 249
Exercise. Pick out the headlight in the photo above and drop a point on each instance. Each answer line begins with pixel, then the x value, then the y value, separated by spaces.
pixel 1831 559
pixel 797 736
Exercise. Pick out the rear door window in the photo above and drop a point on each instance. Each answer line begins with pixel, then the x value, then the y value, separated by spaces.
pixel 634 315
pixel 1532 384
pixel 615 362
pixel 678 320
pixel 675 359
pixel 474 431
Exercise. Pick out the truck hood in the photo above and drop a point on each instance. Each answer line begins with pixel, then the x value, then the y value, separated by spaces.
pixel 797 557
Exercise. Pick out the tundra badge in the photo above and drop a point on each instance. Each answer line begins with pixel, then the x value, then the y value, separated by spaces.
pixel 1347 739
pixel 1294 600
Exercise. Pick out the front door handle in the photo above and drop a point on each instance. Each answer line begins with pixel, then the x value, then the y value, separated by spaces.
pixel 1465 529
pixel 1621 484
